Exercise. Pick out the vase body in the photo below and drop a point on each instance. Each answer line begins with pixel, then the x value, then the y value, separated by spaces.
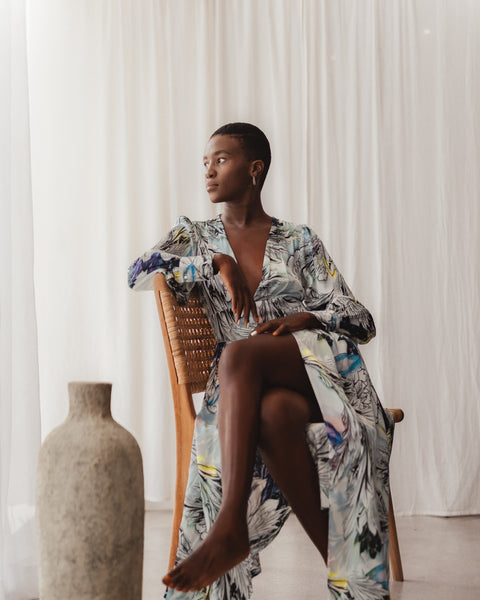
pixel 90 504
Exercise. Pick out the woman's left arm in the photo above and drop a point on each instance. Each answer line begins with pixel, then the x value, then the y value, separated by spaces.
pixel 329 303
pixel 327 296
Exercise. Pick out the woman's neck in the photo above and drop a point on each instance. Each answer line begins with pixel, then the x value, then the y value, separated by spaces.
pixel 244 215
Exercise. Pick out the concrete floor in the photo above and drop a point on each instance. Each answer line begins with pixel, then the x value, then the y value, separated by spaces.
pixel 441 561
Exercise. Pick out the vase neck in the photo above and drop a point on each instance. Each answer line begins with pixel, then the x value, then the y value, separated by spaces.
pixel 89 399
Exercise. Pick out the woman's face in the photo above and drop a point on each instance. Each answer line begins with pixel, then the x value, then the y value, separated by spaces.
pixel 227 170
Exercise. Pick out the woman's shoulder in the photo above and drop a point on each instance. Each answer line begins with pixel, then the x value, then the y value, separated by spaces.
pixel 199 231
pixel 193 225
pixel 298 236
pixel 290 229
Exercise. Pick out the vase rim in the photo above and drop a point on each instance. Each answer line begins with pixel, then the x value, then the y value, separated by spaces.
pixel 89 383
pixel 77 386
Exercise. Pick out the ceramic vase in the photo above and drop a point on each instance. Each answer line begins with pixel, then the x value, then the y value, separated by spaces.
pixel 90 504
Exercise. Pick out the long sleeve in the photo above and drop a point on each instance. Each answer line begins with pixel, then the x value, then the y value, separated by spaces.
pixel 327 296
pixel 178 256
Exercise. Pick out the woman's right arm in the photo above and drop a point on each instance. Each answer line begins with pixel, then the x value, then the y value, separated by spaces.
pixel 180 258
pixel 177 256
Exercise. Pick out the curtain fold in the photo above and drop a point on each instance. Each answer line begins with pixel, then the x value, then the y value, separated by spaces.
pixel 370 108
pixel 19 386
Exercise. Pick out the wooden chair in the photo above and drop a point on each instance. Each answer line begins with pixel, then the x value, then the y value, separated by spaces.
pixel 190 346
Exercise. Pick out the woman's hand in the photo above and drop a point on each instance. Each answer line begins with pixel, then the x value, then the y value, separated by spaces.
pixel 234 280
pixel 288 324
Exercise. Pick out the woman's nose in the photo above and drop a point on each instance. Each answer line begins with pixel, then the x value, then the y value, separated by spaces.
pixel 209 172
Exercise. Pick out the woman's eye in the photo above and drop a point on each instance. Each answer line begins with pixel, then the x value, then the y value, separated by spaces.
pixel 221 159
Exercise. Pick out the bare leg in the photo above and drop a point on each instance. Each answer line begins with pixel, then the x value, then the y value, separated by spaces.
pixel 247 369
pixel 284 448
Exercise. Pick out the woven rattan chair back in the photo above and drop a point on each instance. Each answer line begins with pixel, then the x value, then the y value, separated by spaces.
pixel 190 336
pixel 190 347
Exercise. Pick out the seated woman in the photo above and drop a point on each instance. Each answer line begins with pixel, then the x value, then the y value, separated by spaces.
pixel 290 419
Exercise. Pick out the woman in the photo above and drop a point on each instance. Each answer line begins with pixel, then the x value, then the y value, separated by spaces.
pixel 290 419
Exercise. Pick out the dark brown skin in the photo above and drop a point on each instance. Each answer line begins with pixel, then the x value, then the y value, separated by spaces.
pixel 266 399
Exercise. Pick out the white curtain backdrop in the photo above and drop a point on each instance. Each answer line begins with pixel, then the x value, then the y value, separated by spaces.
pixel 19 388
pixel 370 108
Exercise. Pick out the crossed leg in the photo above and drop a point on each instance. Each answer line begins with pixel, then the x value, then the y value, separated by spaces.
pixel 284 449
pixel 266 400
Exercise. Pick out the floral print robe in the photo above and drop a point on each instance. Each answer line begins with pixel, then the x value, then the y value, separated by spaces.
pixel 351 448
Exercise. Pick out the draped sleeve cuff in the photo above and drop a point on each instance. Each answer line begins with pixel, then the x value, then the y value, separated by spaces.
pixel 177 270
pixel 327 319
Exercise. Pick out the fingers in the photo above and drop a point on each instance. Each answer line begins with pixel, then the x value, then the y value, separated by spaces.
pixel 247 306
pixel 275 327
pixel 254 311
pixel 237 304
pixel 243 305
pixel 240 303
pixel 288 324
pixel 250 309
pixel 263 328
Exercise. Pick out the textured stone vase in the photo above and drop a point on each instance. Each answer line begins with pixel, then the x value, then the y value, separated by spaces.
pixel 90 504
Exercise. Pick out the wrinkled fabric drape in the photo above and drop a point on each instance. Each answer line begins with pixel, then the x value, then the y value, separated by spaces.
pixel 370 108
pixel 19 387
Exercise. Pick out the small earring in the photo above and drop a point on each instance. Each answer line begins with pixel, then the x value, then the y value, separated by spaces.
pixel 254 180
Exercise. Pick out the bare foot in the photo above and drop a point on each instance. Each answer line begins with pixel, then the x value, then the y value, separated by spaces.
pixel 225 546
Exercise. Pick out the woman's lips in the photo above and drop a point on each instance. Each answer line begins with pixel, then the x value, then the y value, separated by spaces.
pixel 211 186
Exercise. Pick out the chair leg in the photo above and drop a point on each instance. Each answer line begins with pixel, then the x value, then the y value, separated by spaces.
pixel 177 518
pixel 185 423
pixel 395 558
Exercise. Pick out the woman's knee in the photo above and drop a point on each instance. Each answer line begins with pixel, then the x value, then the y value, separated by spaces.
pixel 236 356
pixel 283 414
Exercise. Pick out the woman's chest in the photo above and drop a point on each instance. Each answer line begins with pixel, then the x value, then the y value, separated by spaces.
pixel 280 273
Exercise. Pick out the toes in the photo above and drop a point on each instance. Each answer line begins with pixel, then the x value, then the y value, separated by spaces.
pixel 169 581
pixel 178 579
pixel 182 585
pixel 172 580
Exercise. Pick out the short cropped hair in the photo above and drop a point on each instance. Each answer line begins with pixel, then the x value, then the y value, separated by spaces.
pixel 254 142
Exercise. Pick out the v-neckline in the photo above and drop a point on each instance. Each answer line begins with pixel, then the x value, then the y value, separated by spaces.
pixel 265 256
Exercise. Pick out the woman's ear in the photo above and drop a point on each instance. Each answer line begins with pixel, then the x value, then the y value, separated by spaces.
pixel 256 168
